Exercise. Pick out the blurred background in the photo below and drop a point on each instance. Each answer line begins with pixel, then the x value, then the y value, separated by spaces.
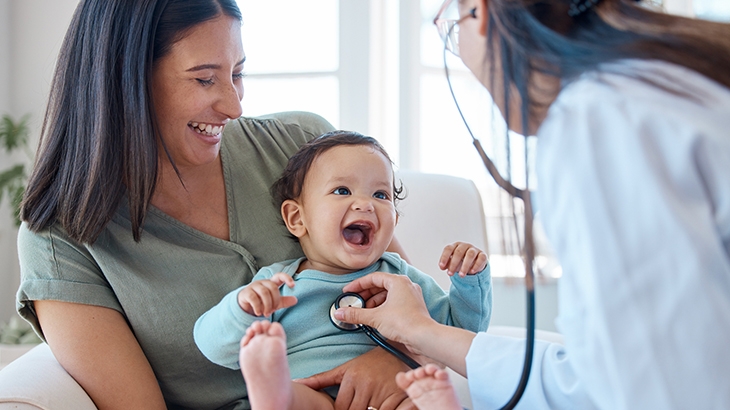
pixel 374 66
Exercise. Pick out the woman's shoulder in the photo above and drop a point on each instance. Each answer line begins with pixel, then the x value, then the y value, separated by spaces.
pixel 302 119
pixel 283 124
pixel 49 239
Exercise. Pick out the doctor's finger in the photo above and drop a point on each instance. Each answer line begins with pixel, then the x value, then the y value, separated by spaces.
pixel 356 315
pixel 376 299
pixel 374 282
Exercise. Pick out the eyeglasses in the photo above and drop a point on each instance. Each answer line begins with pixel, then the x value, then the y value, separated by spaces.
pixel 448 27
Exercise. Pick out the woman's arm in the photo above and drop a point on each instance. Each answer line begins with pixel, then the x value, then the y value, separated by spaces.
pixel 97 348
pixel 396 247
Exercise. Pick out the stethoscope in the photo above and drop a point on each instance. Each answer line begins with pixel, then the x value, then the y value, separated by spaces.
pixel 350 299
pixel 528 250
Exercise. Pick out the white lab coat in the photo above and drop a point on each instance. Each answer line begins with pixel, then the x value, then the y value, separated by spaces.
pixel 634 194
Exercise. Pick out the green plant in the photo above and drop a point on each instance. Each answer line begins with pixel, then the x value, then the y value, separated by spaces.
pixel 17 332
pixel 13 136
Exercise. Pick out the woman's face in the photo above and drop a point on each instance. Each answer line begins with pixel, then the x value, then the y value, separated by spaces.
pixel 472 40
pixel 197 88
pixel 485 62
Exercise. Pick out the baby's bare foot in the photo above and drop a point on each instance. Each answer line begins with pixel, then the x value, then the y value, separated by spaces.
pixel 264 366
pixel 429 388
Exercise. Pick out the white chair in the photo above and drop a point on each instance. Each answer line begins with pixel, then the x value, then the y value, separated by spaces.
pixel 438 210
pixel 37 381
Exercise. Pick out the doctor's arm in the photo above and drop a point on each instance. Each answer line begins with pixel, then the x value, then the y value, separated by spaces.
pixel 491 363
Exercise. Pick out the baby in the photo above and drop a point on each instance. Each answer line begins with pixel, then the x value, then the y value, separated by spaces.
pixel 337 197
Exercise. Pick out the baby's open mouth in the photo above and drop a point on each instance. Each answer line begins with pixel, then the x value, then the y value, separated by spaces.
pixel 358 234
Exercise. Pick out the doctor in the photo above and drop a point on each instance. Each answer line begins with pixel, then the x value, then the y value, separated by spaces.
pixel 632 113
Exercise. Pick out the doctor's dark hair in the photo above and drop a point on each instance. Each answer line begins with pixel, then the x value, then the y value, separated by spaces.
pixel 100 136
pixel 291 182
pixel 530 36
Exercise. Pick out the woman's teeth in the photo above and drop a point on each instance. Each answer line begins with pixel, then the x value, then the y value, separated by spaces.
pixel 207 129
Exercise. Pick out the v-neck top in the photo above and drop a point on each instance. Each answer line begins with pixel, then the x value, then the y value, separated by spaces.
pixel 163 283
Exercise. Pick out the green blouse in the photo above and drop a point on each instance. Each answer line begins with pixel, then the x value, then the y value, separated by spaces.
pixel 175 273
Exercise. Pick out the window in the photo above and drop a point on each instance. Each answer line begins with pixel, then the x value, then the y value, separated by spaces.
pixel 718 10
pixel 376 66
pixel 292 57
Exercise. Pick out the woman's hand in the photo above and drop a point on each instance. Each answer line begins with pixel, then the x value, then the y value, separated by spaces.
pixel 464 258
pixel 367 380
pixel 262 297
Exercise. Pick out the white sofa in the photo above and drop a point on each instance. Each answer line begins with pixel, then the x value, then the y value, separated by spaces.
pixel 439 210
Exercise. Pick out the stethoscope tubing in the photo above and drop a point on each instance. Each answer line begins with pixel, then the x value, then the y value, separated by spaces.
pixel 382 342
pixel 529 250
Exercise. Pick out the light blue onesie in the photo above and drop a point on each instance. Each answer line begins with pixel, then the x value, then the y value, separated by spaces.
pixel 314 344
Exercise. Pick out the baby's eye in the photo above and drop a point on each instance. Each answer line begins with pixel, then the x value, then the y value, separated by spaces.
pixel 341 191
pixel 205 81
pixel 381 195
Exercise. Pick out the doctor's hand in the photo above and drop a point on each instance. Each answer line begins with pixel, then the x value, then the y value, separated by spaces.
pixel 464 258
pixel 367 380
pixel 400 313
pixel 262 297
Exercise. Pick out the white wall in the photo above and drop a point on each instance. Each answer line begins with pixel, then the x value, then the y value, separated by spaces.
pixel 31 32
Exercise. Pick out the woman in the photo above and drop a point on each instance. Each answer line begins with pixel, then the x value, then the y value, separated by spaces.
pixel 140 214
pixel 631 109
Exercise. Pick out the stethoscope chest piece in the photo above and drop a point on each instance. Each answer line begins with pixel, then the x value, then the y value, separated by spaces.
pixel 354 300
pixel 346 299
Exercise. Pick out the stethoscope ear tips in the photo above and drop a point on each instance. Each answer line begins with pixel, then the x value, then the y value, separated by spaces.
pixel 346 299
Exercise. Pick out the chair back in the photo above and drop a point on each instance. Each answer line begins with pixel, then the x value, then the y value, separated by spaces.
pixel 438 210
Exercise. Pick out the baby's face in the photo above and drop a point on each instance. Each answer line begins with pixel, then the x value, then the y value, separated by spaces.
pixel 348 209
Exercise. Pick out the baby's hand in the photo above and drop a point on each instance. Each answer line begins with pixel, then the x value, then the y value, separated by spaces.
pixel 262 297
pixel 464 258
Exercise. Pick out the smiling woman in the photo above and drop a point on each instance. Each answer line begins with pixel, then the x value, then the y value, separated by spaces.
pixel 150 200
pixel 199 82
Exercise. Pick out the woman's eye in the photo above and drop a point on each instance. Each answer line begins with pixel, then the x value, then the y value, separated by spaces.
pixel 239 76
pixel 380 195
pixel 341 191
pixel 205 81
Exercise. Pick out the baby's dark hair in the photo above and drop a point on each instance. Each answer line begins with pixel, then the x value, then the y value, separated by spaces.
pixel 289 185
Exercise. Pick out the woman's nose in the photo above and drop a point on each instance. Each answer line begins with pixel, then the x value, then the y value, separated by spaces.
pixel 229 102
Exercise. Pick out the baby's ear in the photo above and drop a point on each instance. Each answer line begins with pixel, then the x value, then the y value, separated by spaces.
pixel 292 214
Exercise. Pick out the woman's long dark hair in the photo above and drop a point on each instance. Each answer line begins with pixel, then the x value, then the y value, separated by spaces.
pixel 99 137
pixel 539 36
